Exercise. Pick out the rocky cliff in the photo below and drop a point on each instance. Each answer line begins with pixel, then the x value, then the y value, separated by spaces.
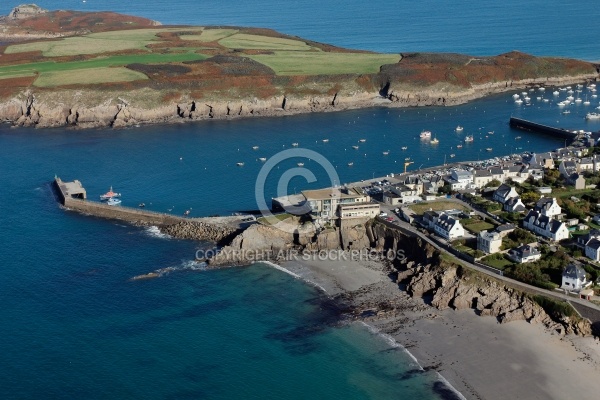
pixel 200 230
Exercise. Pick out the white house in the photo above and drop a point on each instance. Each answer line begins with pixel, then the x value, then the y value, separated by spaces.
pixel 548 207
pixel 592 249
pixel 586 164
pixel 460 179
pixel 504 193
pixel 574 279
pixel 545 226
pixel 525 253
pixel 447 227
pixel 482 177
pixel 567 168
pixel 489 242
pixel 514 204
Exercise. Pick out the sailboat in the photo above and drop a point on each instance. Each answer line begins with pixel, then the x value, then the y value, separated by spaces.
pixel 434 140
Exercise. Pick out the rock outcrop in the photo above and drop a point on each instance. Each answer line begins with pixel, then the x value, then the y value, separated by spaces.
pixel 24 11
pixel 452 287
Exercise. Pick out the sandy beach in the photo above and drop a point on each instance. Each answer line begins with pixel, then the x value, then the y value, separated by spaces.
pixel 478 356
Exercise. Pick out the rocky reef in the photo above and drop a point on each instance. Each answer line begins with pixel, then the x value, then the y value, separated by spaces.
pixel 200 230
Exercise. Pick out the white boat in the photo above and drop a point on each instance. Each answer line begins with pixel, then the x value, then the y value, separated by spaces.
pixel 592 115
pixel 519 101
pixel 407 159
pixel 515 96
pixel 545 100
pixel 586 102
pixel 524 93
pixel 350 164
pixel 385 153
pixel 362 140
pixel 425 135
pixel 110 194
pixel 300 164
pixel 240 164
pixel 325 140
pixel 254 147
pixel 591 85
pixel 113 201
pixel 459 146
pixel 566 112
pixel 262 159
pixel 556 93
pixel 355 147
pixel 452 155
pixel 578 100
pixel 488 149
pixel 459 129
pixel 541 89
pixel 570 92
pixel 594 96
pixel 295 144
pixel 404 147
pixel 527 99
pixel 517 137
pixel 469 138
pixel 434 141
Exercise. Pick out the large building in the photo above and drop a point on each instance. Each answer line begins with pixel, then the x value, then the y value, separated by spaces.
pixel 324 203
pixel 489 242
pixel 545 226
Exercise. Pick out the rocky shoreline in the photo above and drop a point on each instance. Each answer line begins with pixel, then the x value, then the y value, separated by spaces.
pixel 68 108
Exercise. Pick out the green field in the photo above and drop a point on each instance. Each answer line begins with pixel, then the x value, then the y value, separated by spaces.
pixel 440 205
pixel 95 43
pixel 210 35
pixel 320 63
pixel 479 226
pixel 500 264
pixel 247 41
pixel 88 77
pixel 42 68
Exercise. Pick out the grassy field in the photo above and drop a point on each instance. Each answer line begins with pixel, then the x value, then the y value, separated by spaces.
pixel 88 76
pixel 95 43
pixel 436 206
pixel 498 264
pixel 247 41
pixel 479 226
pixel 320 63
pixel 100 62
pixel 211 35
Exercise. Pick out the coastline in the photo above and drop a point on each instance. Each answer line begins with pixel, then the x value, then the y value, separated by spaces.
pixel 69 108
pixel 468 351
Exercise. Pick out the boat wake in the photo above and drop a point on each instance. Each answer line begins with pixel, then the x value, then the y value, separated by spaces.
pixel 154 231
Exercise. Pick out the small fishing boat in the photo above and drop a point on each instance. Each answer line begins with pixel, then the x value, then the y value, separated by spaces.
pixel 566 112
pixel 452 155
pixel 362 140
pixel 295 144
pixel 254 147
pixel 469 139
pixel 459 146
pixel 460 128
pixel 240 164
pixel 518 137
pixel 300 164
pixel 350 164
pixel 541 89
pixel 425 135
pixel 404 147
pixel 515 96
pixel 325 140
pixel 488 149
pixel 109 195
pixel 262 159
pixel 186 213
pixel 113 201
pixel 385 153
pixel 556 93
pixel 519 101
pixel 592 115
pixel 141 205
pixel 355 147
pixel 434 141
pixel 407 159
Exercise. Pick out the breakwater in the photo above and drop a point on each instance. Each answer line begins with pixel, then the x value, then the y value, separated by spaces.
pixel 529 126
pixel 73 197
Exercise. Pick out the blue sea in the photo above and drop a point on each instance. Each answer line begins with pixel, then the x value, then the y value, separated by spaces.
pixel 75 326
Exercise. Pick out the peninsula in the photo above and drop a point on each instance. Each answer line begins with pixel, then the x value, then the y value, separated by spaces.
pixel 85 70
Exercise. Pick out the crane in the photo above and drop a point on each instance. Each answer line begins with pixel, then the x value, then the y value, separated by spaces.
pixel 406 164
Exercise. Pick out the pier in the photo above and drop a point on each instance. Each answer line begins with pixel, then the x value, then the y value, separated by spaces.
pixel 529 126
pixel 73 196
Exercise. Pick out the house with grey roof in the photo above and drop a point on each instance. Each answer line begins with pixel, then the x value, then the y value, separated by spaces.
pixel 567 168
pixel 514 204
pixel 460 180
pixel 525 253
pixel 545 226
pixel 482 177
pixel 592 249
pixel 489 242
pixel 586 164
pixel 448 227
pixel 548 206
pixel 497 174
pixel 504 193
pixel 574 278
pixel 543 160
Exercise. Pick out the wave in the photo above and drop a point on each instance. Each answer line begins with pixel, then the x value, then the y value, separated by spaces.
pixel 295 275
pixel 154 231
pixel 394 344
pixel 186 265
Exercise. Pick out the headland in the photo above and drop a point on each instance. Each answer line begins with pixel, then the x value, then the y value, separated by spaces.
pixel 62 70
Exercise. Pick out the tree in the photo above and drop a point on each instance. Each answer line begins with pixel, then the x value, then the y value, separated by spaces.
pixel 551 176
pixel 493 183
pixel 530 197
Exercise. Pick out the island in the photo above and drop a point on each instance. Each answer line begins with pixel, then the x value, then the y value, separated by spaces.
pixel 103 69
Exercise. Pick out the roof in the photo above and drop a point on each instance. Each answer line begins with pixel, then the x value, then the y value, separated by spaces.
pixel 461 174
pixel 506 228
pixel 446 222
pixel 496 171
pixel 526 251
pixel 593 243
pixel 549 224
pixel 503 190
pixel 544 203
pixel 485 235
pixel 482 173
pixel 586 160
pixel 573 271
pixel 328 193
pixel 515 204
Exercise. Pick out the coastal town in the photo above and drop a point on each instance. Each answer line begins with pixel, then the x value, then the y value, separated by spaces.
pixel 532 217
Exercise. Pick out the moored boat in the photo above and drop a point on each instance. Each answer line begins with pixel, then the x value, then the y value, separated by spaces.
pixel 240 164
pixel 434 141
pixel 592 115
pixel 425 135
pixel 113 201
pixel 110 194
pixel 459 128
pixel 488 149
pixel 469 138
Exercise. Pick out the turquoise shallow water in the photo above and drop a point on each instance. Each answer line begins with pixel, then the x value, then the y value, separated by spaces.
pixel 74 326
